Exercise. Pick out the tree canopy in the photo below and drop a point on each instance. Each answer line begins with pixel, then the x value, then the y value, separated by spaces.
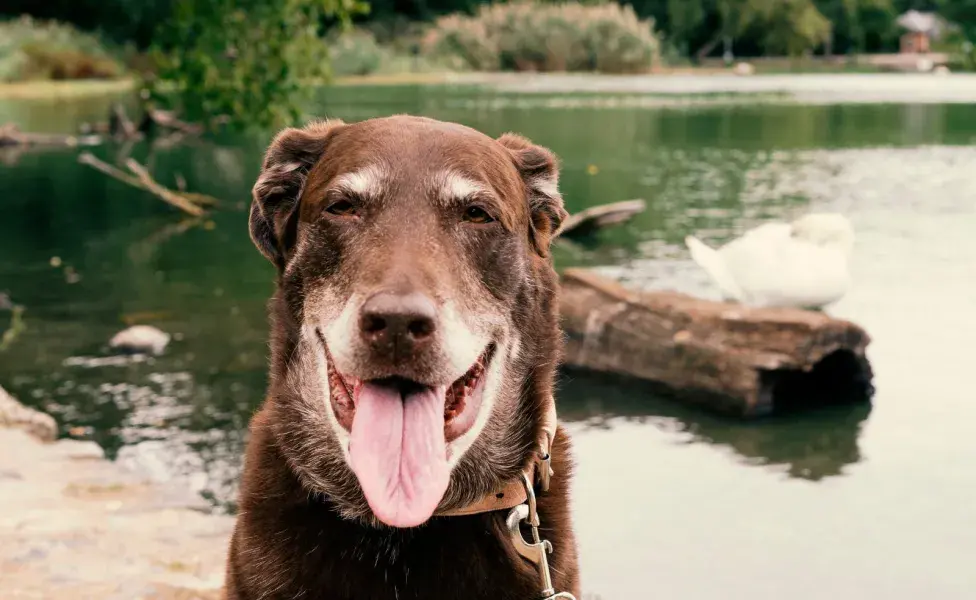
pixel 691 27
pixel 252 61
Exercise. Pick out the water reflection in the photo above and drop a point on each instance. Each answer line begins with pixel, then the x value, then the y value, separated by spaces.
pixel 812 446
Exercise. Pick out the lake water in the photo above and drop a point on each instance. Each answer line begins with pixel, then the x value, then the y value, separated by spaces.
pixel 853 503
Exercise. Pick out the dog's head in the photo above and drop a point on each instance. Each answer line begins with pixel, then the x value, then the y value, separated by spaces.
pixel 415 309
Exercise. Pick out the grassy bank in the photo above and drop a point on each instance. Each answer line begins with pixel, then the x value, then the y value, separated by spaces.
pixel 64 90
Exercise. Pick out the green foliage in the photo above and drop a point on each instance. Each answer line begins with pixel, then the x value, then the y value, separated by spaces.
pixel 41 50
pixel 861 25
pixel 794 27
pixel 251 62
pixel 774 27
pixel 961 42
pixel 123 21
pixel 523 36
pixel 737 16
pixel 689 27
pixel 685 18
pixel 963 14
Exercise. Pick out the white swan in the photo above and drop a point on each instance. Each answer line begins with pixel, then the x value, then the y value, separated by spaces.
pixel 801 264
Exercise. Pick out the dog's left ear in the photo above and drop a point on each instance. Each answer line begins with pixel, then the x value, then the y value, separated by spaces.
pixel 540 173
pixel 275 196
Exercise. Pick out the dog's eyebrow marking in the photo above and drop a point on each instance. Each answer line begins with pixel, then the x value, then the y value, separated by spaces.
pixel 367 181
pixel 547 186
pixel 452 185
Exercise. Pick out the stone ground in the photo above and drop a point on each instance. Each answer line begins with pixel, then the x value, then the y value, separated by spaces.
pixel 75 525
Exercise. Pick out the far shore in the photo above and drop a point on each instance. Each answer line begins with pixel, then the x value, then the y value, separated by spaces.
pixel 809 88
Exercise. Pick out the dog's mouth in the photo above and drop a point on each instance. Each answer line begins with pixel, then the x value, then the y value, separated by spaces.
pixel 462 399
pixel 400 432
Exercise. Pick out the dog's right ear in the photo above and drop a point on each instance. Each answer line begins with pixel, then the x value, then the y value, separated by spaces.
pixel 291 155
pixel 539 169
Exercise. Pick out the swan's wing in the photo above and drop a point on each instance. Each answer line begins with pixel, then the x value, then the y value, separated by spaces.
pixel 767 233
pixel 714 264
pixel 785 271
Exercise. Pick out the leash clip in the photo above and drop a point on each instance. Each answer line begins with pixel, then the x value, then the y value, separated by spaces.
pixel 536 552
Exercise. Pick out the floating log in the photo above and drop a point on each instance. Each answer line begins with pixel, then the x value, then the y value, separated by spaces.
pixel 590 220
pixel 727 357
pixel 11 135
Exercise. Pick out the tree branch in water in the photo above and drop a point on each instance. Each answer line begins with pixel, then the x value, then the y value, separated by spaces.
pixel 189 202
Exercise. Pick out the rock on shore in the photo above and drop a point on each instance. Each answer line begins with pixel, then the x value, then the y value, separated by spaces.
pixel 13 414
pixel 74 524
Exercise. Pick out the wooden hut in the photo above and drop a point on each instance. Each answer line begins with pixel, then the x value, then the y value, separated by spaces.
pixel 920 30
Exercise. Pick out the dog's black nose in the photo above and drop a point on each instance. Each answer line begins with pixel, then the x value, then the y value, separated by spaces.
pixel 397 324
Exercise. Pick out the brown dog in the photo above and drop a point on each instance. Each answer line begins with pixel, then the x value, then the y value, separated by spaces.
pixel 414 344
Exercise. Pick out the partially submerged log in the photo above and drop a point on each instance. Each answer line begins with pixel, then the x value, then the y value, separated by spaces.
pixel 189 202
pixel 167 120
pixel 120 125
pixel 598 217
pixel 16 327
pixel 11 135
pixel 728 357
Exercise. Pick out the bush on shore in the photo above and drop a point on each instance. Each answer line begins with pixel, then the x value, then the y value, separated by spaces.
pixel 527 36
pixel 32 50
pixel 356 53
pixel 361 52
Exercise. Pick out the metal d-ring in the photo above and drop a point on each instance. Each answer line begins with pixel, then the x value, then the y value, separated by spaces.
pixel 544 468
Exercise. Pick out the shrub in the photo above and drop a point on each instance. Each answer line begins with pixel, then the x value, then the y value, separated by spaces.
pixel 962 57
pixel 462 43
pixel 356 53
pixel 31 50
pixel 524 36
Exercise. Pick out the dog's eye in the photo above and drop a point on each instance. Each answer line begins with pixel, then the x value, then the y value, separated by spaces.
pixel 342 208
pixel 475 214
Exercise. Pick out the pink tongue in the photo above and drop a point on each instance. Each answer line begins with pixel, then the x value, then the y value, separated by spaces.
pixel 398 452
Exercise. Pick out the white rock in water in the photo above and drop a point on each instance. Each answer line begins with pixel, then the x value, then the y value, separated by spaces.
pixel 16 415
pixel 744 68
pixel 144 339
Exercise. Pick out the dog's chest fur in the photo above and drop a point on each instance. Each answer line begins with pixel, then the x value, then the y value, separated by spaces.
pixel 290 545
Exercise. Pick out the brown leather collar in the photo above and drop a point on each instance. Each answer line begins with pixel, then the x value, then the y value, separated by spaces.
pixel 513 493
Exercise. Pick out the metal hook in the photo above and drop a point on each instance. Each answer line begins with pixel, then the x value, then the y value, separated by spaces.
pixel 535 552
pixel 538 550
